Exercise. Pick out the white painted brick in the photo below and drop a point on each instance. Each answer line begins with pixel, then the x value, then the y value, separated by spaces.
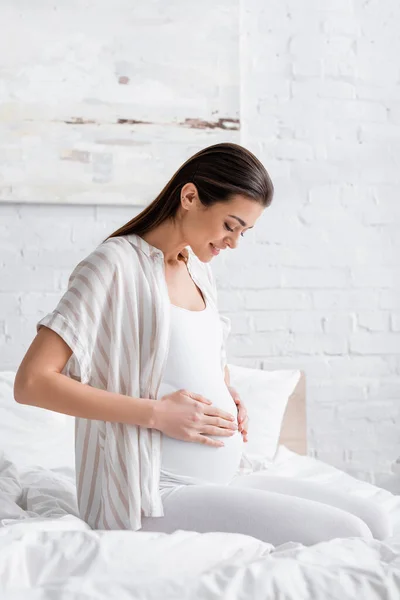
pixel 343 392
pixel 305 66
pixel 300 322
pixel 375 343
pixel 292 150
pixel 385 92
pixel 339 67
pixel 8 255
pixel 230 300
pixel 321 132
pixel 277 300
pixel 335 24
pixel 360 110
pixel 20 328
pixel 320 344
pixel 279 229
pixel 370 411
pixel 306 46
pixel 39 304
pixel 379 132
pixel 389 389
pixel 394 115
pixel 26 279
pixel 316 367
pixel 250 277
pixel 373 277
pixel 338 323
pixel 314 278
pixel 11 353
pixel 10 303
pixel 39 257
pixel 262 344
pixel 363 366
pixel 310 89
pixel 368 454
pixel 345 299
pixel 343 7
pixel 373 321
pixel 279 170
pixel 271 321
pixel 374 68
pixel 323 416
pixel 389 299
pixel 394 363
pixel 395 322
pixel 239 324
pixel 299 254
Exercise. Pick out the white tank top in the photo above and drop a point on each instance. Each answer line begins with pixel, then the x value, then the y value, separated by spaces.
pixel 194 363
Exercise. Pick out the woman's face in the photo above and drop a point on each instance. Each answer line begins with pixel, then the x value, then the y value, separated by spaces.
pixel 209 230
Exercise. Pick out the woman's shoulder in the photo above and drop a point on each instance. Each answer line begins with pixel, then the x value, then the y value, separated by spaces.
pixel 116 251
pixel 113 257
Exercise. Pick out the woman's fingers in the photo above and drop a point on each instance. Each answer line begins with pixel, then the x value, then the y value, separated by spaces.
pixel 219 422
pixel 211 430
pixel 202 439
pixel 198 397
pixel 212 411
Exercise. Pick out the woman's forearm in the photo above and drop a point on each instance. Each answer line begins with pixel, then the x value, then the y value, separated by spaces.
pixel 62 394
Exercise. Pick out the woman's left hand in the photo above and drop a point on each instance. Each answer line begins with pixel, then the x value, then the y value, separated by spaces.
pixel 243 420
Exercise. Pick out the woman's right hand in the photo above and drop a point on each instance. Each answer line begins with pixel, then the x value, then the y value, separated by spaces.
pixel 188 416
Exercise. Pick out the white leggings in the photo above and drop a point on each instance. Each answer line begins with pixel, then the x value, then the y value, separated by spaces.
pixel 271 508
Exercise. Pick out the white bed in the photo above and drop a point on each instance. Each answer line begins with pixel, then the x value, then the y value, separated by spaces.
pixel 47 552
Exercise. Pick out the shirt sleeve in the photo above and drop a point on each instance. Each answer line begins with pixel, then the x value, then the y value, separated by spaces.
pixel 80 318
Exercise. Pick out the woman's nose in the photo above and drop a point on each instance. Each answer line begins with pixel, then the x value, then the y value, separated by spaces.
pixel 232 241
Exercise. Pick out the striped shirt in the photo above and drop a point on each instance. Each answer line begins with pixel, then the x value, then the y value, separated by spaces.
pixel 115 318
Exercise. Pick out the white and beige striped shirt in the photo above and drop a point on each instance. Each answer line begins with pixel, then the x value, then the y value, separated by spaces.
pixel 115 318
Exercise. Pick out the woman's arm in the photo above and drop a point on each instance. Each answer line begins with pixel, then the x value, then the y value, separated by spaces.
pixel 39 382
pixel 243 419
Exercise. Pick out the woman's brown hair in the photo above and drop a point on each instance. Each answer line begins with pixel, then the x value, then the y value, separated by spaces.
pixel 218 172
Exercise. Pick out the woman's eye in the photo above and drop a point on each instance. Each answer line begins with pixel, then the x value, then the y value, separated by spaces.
pixel 229 229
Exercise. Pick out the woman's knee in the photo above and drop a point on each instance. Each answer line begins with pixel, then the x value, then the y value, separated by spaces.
pixel 349 525
pixel 377 519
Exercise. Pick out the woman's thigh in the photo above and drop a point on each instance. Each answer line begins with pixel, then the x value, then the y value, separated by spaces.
pixel 269 516
pixel 372 514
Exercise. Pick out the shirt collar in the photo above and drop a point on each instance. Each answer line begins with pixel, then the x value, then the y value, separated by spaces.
pixel 152 251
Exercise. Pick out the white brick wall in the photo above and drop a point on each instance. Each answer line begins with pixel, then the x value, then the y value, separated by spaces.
pixel 39 246
pixel 320 105
pixel 316 284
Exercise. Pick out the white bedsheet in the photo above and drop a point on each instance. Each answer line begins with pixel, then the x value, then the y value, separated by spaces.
pixel 46 551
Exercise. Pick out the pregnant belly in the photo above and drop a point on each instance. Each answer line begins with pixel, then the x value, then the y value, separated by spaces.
pixel 196 463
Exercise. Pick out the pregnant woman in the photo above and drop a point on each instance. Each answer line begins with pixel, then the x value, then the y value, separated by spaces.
pixel 135 350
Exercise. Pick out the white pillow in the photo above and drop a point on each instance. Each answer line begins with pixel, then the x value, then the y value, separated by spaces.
pixel 32 436
pixel 265 395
